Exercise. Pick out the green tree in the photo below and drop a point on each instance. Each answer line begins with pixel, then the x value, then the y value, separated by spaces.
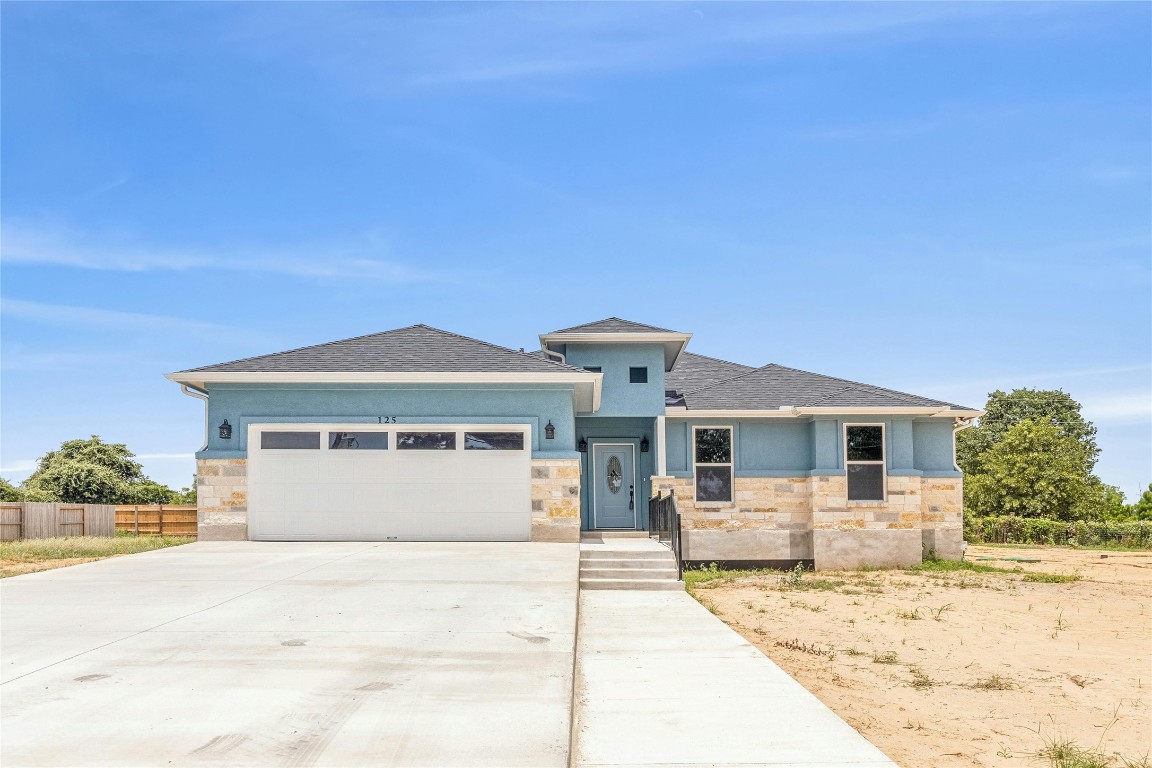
pixel 1005 410
pixel 1033 470
pixel 1142 509
pixel 93 472
pixel 9 492
pixel 76 482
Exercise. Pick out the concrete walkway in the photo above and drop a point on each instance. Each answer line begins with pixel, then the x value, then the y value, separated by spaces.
pixel 663 682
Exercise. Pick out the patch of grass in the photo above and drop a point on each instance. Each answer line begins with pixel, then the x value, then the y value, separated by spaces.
pixel 853 652
pixel 908 615
pixel 796 645
pixel 888 657
pixel 1052 578
pixel 993 683
pixel 921 681
pixel 934 565
pixel 712 575
pixel 17 556
pixel 1064 753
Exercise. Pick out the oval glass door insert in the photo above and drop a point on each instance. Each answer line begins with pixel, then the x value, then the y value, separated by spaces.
pixel 615 474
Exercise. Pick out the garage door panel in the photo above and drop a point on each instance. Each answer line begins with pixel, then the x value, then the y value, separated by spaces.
pixel 388 494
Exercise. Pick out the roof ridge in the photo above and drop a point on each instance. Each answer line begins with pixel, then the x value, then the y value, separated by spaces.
pixel 306 346
pixel 719 360
pixel 652 328
pixel 850 384
pixel 509 350
pixel 859 384
pixel 733 378
pixel 421 326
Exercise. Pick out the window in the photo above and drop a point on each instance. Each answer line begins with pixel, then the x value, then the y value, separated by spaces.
pixel 290 440
pixel 493 441
pixel 425 441
pixel 864 459
pixel 593 368
pixel 713 465
pixel 638 375
pixel 362 441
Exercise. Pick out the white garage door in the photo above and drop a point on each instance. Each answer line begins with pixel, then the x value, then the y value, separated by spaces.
pixel 445 482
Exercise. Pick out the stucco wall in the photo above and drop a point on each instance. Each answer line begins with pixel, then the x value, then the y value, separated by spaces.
pixel 784 447
pixel 242 405
pixel 619 396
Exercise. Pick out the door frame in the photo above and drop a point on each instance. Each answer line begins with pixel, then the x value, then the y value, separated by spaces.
pixel 592 475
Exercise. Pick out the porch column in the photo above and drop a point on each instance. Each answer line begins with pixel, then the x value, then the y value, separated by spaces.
pixel 661 452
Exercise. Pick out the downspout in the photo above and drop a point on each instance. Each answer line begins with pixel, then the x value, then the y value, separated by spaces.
pixel 199 394
pixel 958 425
pixel 545 350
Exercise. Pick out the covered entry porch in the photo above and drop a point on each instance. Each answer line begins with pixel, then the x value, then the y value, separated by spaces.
pixel 620 455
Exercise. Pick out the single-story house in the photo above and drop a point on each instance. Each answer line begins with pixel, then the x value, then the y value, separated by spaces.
pixel 422 434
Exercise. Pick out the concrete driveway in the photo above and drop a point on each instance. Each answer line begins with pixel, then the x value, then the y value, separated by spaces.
pixel 293 654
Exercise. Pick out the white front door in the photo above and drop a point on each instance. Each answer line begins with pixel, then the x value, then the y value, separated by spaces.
pixel 367 482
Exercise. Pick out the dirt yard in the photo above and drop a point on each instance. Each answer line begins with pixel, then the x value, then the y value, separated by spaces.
pixel 964 668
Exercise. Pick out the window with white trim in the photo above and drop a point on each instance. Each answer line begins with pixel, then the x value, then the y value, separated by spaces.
pixel 712 450
pixel 864 460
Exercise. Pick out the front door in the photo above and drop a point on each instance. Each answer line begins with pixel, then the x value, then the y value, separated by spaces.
pixel 613 485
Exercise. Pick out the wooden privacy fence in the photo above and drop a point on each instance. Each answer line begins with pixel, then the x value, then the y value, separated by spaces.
pixel 51 520
pixel 157 519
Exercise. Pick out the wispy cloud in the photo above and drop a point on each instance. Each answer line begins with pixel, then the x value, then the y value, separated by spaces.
pixel 468 44
pixel 360 258
pixel 1127 406
pixel 69 316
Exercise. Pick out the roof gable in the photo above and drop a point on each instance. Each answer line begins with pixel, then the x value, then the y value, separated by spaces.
pixel 417 348
pixel 613 325
pixel 777 386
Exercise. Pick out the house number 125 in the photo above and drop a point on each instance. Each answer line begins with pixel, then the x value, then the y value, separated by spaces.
pixel 386 419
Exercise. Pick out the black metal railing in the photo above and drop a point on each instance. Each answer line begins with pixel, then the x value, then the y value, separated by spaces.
pixel 664 524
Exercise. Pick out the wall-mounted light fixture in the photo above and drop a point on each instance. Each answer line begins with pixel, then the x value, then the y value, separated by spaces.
pixel 549 431
pixel 225 430
pixel 582 446
pixel 644 445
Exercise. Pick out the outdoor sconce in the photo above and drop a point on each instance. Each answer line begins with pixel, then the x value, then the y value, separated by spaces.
pixel 644 445
pixel 225 430
pixel 582 446
pixel 549 430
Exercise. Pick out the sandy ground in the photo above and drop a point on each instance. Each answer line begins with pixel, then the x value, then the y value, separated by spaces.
pixel 18 567
pixel 962 668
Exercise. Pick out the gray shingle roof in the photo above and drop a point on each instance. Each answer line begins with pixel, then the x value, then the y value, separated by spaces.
pixel 613 325
pixel 774 386
pixel 697 371
pixel 417 348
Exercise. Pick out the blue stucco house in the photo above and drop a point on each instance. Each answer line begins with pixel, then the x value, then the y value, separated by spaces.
pixel 423 434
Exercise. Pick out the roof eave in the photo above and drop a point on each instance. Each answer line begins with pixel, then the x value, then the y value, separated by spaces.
pixel 674 343
pixel 587 385
pixel 786 411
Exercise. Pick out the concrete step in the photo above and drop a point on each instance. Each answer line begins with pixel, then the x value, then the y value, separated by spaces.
pixel 628 573
pixel 604 562
pixel 625 554
pixel 599 535
pixel 644 584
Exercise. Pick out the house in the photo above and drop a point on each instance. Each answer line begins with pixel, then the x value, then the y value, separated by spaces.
pixel 422 434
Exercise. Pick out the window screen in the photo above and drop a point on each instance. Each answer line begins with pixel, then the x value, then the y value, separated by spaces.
pixel 864 460
pixel 713 465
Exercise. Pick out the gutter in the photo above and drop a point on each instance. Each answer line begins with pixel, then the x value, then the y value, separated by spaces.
pixel 199 394
pixel 959 425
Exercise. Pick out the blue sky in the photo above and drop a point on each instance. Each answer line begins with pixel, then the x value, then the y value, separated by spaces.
pixel 946 199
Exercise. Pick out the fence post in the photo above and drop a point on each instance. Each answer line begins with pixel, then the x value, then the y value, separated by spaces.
pixel 136 523
pixel 160 519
